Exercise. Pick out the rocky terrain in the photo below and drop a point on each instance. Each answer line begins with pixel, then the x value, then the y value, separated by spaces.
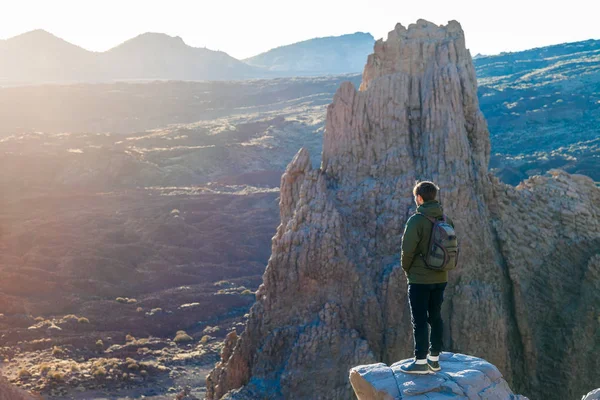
pixel 543 107
pixel 83 273
pixel 333 295
pixel 139 233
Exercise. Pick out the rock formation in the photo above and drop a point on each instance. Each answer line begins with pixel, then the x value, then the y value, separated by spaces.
pixel 462 377
pixel 333 294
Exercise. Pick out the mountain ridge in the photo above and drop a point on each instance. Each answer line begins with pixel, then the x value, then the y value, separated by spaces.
pixel 39 56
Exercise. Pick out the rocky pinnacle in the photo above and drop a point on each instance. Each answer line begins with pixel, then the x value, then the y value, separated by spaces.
pixel 525 296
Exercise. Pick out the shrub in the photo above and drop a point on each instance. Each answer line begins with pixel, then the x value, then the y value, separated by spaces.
pixel 44 368
pixel 83 320
pixel 74 368
pixel 39 319
pixel 129 338
pixel 24 374
pixel 57 352
pixel 211 329
pixel 99 344
pixel 71 316
pixel 99 372
pixel 247 292
pixel 131 301
pixel 222 283
pixel 121 300
pixel 182 337
pixel 139 309
pixel 205 339
pixel 133 366
pixel 57 376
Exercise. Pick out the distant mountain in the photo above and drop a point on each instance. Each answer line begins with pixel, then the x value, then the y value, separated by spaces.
pixel 320 56
pixel 40 57
pixel 159 56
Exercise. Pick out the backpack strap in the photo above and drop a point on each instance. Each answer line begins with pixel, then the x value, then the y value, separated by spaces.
pixel 431 219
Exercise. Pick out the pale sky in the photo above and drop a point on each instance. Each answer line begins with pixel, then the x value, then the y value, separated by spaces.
pixel 244 28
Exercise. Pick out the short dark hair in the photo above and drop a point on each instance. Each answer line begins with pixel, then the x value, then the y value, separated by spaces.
pixel 426 189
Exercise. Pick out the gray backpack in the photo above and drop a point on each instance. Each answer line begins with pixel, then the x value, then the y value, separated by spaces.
pixel 443 246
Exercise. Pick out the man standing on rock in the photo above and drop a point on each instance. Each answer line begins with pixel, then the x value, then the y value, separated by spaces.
pixel 429 250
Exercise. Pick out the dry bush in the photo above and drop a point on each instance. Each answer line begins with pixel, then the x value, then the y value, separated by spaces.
pixel 182 337
pixel 133 366
pixel 57 376
pixel 57 352
pixel 24 374
pixel 99 372
pixel 205 339
pixel 83 320
pixel 44 368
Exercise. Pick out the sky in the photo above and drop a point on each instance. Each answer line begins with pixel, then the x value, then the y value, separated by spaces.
pixel 244 28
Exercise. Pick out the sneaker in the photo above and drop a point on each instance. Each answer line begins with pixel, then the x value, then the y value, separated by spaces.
pixel 414 368
pixel 433 365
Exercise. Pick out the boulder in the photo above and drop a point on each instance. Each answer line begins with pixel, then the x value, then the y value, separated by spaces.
pixel 593 395
pixel 461 377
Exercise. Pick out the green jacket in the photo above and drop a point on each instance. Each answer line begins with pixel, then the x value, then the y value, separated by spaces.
pixel 415 243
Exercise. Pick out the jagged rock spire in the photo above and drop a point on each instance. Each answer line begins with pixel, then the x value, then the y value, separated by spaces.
pixel 333 296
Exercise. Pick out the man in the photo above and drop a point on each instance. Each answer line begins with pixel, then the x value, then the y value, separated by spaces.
pixel 425 286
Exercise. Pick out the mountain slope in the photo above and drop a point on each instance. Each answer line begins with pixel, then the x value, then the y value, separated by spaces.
pixel 543 109
pixel 319 56
pixel 40 57
pixel 159 56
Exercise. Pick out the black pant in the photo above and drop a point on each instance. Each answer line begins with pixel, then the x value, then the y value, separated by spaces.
pixel 426 308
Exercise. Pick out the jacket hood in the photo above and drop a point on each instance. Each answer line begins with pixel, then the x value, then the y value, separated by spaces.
pixel 431 209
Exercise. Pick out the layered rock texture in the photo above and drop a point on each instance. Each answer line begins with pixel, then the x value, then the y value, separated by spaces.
pixel 525 296
pixel 461 377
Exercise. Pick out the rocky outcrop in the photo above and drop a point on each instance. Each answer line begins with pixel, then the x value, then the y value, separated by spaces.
pixel 333 294
pixel 461 377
